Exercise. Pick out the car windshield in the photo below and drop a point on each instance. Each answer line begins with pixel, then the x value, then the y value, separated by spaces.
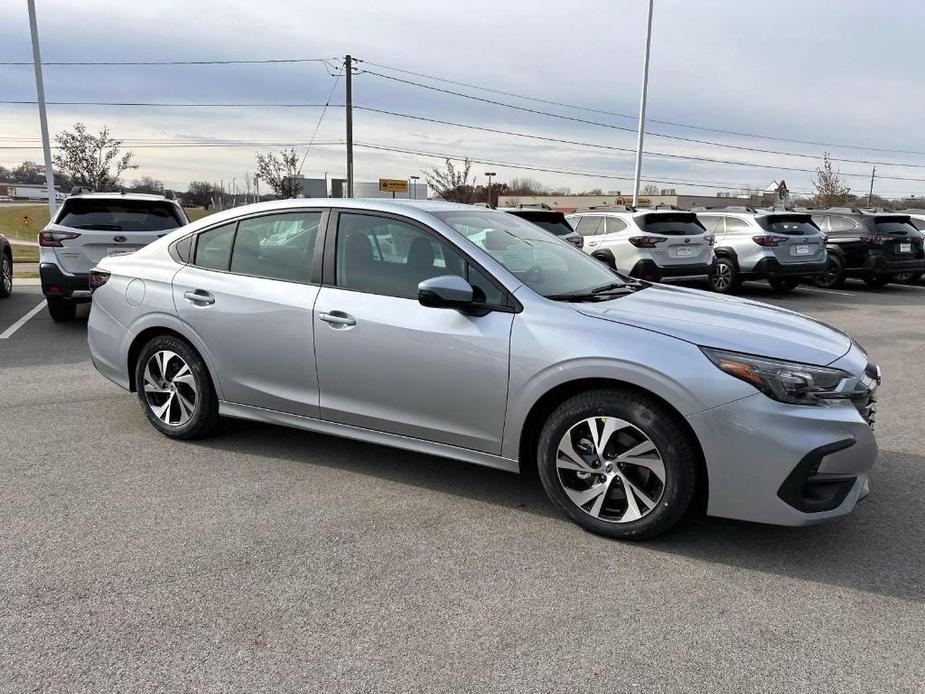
pixel 545 264
pixel 120 215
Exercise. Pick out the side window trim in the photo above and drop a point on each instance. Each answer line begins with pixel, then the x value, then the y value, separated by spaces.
pixel 329 271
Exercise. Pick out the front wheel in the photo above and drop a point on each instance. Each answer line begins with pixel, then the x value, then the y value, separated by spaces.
pixel 877 281
pixel 724 278
pixel 6 275
pixel 175 388
pixel 617 463
pixel 784 284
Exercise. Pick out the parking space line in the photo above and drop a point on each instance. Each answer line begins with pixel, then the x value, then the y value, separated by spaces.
pixel 825 291
pixel 910 286
pixel 21 322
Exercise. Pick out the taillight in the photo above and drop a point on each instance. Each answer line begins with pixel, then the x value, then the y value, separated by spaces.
pixel 645 241
pixel 873 240
pixel 768 241
pixel 53 239
pixel 98 278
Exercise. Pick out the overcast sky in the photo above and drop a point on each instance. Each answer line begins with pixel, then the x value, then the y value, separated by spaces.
pixel 849 73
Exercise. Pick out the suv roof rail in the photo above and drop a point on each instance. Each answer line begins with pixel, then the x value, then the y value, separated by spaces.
pixel 608 208
pixel 532 206
pixel 724 208
pixel 78 190
pixel 666 206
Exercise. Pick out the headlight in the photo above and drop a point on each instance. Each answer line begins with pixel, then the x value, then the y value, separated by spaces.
pixel 784 381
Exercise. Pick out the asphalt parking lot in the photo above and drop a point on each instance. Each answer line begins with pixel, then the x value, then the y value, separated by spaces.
pixel 267 559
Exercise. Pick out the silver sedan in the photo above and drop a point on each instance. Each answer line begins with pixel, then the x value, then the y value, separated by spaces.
pixel 471 334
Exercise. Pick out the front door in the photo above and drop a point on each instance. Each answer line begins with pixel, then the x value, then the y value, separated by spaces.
pixel 389 364
pixel 248 296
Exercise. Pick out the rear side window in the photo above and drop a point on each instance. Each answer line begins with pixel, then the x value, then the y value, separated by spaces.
pixel 671 224
pixel 917 223
pixel 793 225
pixel 550 221
pixel 838 222
pixel 613 225
pixel 213 247
pixel 120 215
pixel 589 226
pixel 279 246
pixel 710 222
pixel 895 225
pixel 735 224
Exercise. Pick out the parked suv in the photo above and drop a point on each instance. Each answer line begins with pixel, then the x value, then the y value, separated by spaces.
pixel 552 221
pixel 917 218
pixel 90 226
pixel 648 244
pixel 6 268
pixel 779 246
pixel 871 245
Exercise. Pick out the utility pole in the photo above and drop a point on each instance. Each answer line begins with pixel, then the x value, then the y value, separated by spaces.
pixel 870 195
pixel 257 187
pixel 40 97
pixel 348 65
pixel 414 186
pixel 642 108
pixel 488 196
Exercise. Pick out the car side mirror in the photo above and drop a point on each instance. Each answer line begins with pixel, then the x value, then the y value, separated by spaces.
pixel 445 291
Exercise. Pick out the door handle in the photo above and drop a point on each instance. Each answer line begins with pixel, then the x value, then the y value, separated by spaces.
pixel 592 243
pixel 199 296
pixel 338 319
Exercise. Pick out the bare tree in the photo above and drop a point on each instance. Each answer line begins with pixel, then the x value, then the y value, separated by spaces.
pixel 451 183
pixel 94 161
pixel 280 172
pixel 526 186
pixel 830 191
pixel 146 184
pixel 650 189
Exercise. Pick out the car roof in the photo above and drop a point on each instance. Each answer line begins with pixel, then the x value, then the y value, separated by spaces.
pixel 121 196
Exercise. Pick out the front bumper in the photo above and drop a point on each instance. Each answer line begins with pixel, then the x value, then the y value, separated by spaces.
pixel 59 284
pixel 770 462
pixel 650 270
pixel 772 268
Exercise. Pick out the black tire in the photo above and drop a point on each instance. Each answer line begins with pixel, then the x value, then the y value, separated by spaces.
pixel 204 418
pixel 61 310
pixel 6 274
pixel 647 416
pixel 784 284
pixel 834 275
pixel 908 277
pixel 725 277
pixel 877 281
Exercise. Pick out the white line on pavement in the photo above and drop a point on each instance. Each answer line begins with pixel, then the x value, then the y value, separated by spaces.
pixel 825 291
pixel 21 322
pixel 910 286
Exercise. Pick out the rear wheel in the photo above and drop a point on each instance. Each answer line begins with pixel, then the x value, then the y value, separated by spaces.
pixel 725 277
pixel 617 463
pixel 6 275
pixel 61 310
pixel 783 284
pixel 878 281
pixel 834 274
pixel 175 388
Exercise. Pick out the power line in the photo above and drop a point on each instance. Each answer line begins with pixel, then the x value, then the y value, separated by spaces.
pixel 320 118
pixel 97 63
pixel 630 130
pixel 675 124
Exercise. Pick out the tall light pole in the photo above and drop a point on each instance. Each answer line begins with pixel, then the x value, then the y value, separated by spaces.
pixel 40 97
pixel 414 183
pixel 642 107
pixel 348 104
pixel 234 192
pixel 489 174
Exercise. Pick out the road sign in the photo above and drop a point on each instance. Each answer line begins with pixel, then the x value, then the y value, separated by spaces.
pixel 393 185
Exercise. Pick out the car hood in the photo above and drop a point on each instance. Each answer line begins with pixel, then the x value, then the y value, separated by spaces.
pixel 710 320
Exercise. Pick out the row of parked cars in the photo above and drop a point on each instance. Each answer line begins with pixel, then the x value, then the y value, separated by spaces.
pixel 731 245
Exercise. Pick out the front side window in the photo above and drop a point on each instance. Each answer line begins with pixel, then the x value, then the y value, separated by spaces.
pixel 541 262
pixel 589 226
pixel 279 246
pixel 711 222
pixel 383 255
pixel 213 247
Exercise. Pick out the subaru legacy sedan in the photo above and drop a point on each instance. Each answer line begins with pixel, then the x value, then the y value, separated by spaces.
pixel 471 334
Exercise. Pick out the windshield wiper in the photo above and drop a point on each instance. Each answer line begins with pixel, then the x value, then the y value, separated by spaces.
pixel 595 293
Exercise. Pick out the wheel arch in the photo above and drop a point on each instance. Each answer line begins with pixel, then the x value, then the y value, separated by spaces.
pixel 727 253
pixel 543 407
pixel 148 334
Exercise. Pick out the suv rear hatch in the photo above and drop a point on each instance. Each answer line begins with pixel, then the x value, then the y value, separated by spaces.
pixel 685 242
pixel 803 242
pixel 107 226
pixel 901 240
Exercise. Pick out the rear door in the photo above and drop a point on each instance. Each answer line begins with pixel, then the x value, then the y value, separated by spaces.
pixel 685 242
pixel 109 227
pixel 248 294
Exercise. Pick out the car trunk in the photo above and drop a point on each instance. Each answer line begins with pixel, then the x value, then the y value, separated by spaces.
pixel 803 240
pixel 901 240
pixel 684 242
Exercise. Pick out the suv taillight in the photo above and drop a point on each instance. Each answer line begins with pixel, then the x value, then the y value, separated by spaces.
pixel 873 240
pixel 98 278
pixel 53 239
pixel 768 241
pixel 645 241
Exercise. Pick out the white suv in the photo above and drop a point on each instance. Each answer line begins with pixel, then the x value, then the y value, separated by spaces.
pixel 90 226
pixel 648 244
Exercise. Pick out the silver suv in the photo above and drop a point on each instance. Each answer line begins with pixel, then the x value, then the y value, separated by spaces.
pixel 648 244
pixel 774 245
pixel 471 334
pixel 91 226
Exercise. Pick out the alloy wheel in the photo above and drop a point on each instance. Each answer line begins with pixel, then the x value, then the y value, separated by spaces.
pixel 722 277
pixel 6 271
pixel 170 388
pixel 610 469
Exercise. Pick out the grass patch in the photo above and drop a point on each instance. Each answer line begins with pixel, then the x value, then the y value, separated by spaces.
pixel 23 275
pixel 25 254
pixel 12 218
